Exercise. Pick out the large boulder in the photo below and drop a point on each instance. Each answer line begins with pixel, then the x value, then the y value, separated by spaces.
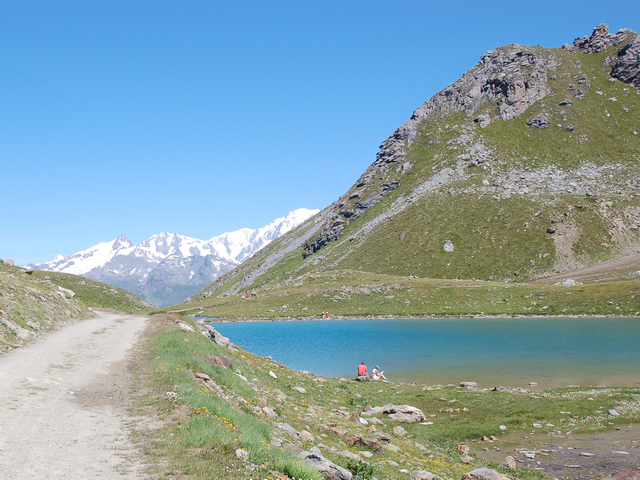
pixel 214 335
pixel 330 470
pixel 405 413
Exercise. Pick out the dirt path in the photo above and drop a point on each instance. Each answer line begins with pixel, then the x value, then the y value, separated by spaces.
pixel 610 269
pixel 62 403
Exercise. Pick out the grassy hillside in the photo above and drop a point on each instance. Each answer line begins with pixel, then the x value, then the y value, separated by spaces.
pixel 498 201
pixel 34 303
pixel 358 294
pixel 29 307
pixel 96 294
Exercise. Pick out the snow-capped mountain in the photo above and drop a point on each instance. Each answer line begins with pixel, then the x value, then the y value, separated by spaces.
pixel 167 268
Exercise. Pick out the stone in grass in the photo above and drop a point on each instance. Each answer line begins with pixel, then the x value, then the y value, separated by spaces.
pixel 399 431
pixel 306 436
pixel 287 428
pixel 510 463
pixel 299 389
pixel 468 459
pixel 269 412
pixel 221 361
pixel 483 474
pixel 424 475
pixel 242 454
pixel 330 470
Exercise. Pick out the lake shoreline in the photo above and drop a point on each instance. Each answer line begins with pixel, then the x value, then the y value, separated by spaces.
pixel 400 317
pixel 532 351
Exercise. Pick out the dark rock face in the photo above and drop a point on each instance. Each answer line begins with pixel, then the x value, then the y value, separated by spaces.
pixel 627 68
pixel 599 40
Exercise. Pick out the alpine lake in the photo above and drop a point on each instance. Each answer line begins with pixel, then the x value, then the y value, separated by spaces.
pixel 536 353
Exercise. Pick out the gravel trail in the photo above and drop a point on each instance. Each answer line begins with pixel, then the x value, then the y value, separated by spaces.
pixel 62 403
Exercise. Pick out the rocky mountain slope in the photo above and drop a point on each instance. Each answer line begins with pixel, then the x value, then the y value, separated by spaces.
pixel 167 268
pixel 526 167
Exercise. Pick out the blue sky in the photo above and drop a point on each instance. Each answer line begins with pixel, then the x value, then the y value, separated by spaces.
pixel 202 117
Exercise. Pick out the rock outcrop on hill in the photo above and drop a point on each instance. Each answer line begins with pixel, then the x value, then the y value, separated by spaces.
pixel 515 77
pixel 525 167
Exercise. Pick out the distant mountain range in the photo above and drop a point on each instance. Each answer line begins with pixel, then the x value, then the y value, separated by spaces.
pixel 168 268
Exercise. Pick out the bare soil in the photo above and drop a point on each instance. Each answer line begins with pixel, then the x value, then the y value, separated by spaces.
pixel 615 269
pixel 63 402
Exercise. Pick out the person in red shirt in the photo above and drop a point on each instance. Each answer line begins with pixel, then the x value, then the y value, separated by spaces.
pixel 362 372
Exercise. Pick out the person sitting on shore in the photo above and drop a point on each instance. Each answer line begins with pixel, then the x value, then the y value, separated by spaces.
pixel 362 372
pixel 378 374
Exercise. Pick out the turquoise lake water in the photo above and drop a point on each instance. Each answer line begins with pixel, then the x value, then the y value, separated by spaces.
pixel 511 352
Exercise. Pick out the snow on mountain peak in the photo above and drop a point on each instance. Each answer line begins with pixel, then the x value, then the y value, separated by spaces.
pixel 127 261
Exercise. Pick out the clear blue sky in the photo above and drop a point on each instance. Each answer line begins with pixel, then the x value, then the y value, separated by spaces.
pixel 202 117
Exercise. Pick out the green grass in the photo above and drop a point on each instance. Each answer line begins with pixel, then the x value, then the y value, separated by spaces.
pixel 28 307
pixel 363 294
pixel 96 294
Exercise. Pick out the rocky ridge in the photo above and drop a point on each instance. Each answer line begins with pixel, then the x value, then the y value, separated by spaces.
pixel 515 77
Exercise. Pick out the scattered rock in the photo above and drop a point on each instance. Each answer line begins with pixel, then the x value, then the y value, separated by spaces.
pixel 463 449
pixel 466 459
pixel 8 262
pixel 269 412
pixel 539 121
pixel 354 417
pixel 370 442
pixel 483 474
pixel 399 431
pixel 271 374
pixel 424 475
pixel 184 326
pixel 483 120
pixel 214 335
pixel 510 463
pixel 399 413
pixel 219 360
pixel 287 428
pixel 299 389
pixel 330 470
pixel 391 448
pixel 448 246
pixel 242 454
pixel 341 432
pixel 306 436
pixel 469 385
pixel 614 413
